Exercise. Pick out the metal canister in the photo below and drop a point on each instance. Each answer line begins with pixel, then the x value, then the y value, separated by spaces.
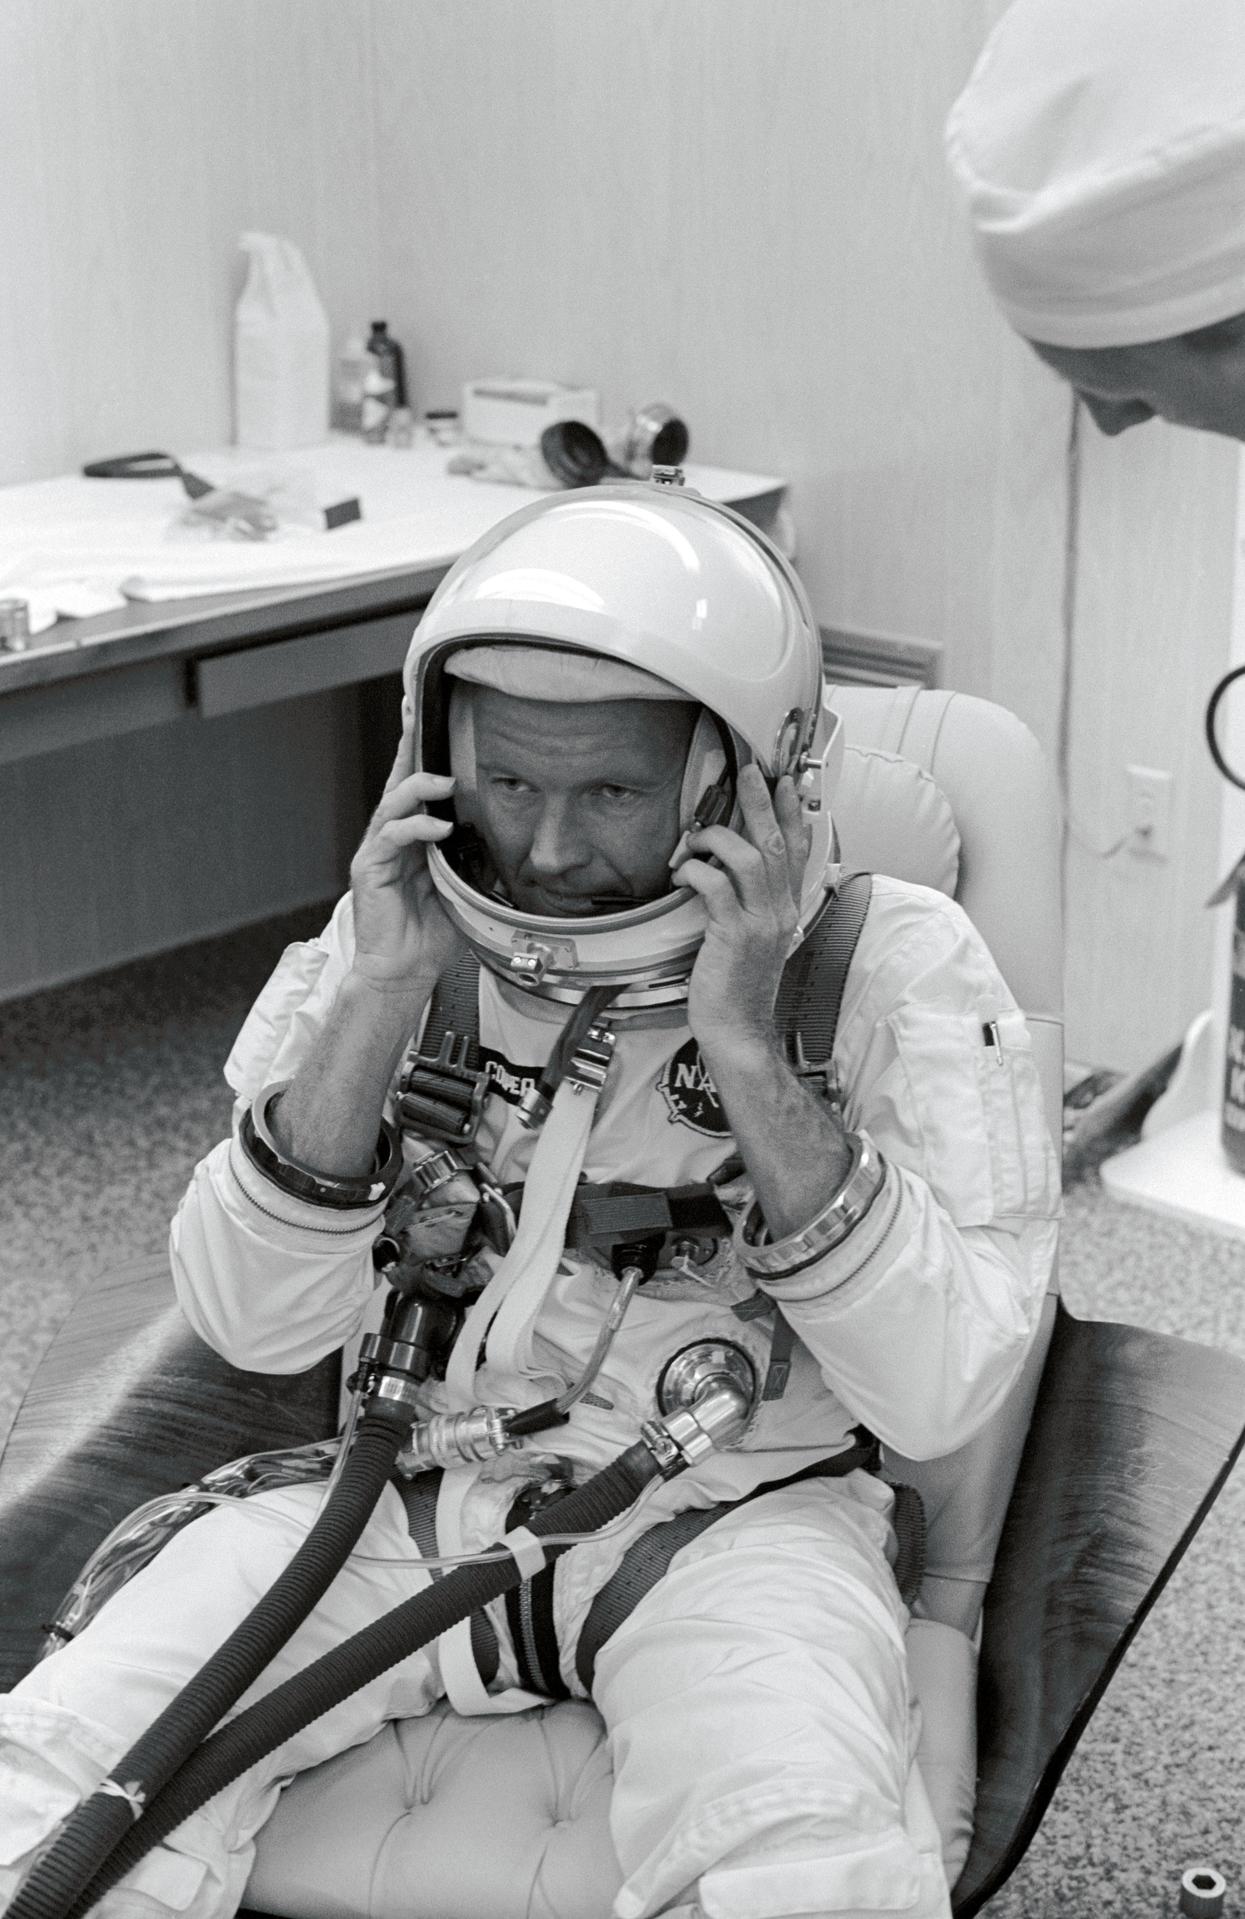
pixel 1232 1127
pixel 655 436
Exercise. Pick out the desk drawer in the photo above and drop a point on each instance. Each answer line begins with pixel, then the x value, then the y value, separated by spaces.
pixel 45 719
pixel 312 663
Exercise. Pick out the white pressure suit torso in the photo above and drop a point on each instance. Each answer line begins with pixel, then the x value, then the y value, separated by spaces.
pixel 915 1326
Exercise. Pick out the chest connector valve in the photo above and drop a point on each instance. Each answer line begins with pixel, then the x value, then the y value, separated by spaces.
pixel 714 1422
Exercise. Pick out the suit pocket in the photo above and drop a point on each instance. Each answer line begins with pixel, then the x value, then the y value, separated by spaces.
pixel 966 1106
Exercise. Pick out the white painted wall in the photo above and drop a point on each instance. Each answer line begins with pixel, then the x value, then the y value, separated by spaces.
pixel 734 206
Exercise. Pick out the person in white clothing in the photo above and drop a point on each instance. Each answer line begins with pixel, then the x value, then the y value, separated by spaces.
pixel 613 790
pixel 1099 150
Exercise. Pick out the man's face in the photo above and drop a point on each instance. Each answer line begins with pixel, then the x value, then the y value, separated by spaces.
pixel 579 803
pixel 1195 379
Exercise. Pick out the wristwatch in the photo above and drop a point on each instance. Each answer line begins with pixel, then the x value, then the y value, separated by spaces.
pixel 764 1258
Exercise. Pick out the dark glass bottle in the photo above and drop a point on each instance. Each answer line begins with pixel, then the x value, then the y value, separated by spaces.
pixel 384 389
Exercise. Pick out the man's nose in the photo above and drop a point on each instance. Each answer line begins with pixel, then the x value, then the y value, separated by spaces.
pixel 557 843
pixel 1116 416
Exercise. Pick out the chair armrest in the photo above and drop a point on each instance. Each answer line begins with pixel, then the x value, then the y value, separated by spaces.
pixel 1133 1436
pixel 126 1403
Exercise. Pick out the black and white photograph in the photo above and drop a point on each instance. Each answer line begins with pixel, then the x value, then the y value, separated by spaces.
pixel 622 959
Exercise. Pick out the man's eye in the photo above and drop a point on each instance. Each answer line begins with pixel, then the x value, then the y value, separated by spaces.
pixel 616 793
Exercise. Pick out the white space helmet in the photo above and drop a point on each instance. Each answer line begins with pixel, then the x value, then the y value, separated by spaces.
pixel 654 578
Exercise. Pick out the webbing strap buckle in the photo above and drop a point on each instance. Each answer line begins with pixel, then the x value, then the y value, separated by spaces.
pixel 590 1061
pixel 443 1096
pixel 585 1071
pixel 820 1076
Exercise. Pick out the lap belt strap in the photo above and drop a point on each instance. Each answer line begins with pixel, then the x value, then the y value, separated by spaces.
pixel 419 1496
pixel 529 1614
pixel 529 1606
pixel 644 1562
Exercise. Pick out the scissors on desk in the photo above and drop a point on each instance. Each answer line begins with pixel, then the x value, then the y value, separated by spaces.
pixel 238 513
pixel 241 513
pixel 147 466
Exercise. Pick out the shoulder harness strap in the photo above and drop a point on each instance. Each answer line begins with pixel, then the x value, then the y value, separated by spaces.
pixel 455 1008
pixel 441 1085
pixel 811 992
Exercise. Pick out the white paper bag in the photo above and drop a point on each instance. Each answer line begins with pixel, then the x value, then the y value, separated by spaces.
pixel 281 350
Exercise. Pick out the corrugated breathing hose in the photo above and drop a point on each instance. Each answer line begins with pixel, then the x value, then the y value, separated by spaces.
pixel 291 1706
pixel 101 1821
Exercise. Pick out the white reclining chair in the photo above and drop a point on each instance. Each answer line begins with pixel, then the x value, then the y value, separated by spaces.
pixel 1049 1568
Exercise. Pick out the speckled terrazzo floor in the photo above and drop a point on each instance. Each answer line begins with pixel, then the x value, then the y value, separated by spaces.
pixel 111 1089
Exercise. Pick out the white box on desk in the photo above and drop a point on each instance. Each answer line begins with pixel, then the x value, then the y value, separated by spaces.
pixel 504 412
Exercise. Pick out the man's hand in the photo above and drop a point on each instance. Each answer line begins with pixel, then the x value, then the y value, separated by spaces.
pixel 792 1143
pixel 330 1114
pixel 403 938
pixel 752 903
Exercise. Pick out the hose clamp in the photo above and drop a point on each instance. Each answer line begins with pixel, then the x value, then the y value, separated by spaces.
pixel 716 1421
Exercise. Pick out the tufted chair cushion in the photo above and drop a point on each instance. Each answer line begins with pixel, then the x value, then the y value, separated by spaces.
pixel 429 1839
pixel 420 1796
pixel 508 1818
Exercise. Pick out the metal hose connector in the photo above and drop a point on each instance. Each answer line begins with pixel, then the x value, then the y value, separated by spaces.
pixel 456 1439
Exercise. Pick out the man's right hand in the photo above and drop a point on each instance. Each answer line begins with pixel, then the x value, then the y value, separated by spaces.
pixel 403 938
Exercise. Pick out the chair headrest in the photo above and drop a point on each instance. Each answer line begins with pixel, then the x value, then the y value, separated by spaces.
pixel 894 818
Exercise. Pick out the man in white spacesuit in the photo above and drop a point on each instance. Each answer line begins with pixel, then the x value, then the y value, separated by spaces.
pixel 626 687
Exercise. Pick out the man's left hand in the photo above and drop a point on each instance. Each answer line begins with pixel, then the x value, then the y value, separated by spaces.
pixel 751 899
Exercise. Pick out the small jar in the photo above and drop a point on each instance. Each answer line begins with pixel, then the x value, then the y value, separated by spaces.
pixel 14 626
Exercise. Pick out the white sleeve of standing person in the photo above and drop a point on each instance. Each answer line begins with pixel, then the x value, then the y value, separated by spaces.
pixel 920 1320
pixel 272 1282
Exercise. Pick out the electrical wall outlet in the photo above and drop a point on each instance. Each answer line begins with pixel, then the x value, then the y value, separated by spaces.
pixel 1149 811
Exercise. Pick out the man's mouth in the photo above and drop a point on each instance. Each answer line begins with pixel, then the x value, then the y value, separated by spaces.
pixel 579 905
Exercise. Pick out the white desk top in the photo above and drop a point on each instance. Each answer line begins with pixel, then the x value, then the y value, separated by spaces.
pixel 60 536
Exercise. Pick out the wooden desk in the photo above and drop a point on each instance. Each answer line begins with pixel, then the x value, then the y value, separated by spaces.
pixel 173 770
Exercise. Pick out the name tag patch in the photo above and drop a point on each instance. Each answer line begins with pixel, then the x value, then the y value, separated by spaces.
pixel 506 1079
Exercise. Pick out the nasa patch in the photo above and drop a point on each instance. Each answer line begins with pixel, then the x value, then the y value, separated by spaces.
pixel 690 1095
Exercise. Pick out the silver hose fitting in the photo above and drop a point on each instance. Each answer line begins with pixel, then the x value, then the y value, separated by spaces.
pixel 456 1439
pixel 717 1420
